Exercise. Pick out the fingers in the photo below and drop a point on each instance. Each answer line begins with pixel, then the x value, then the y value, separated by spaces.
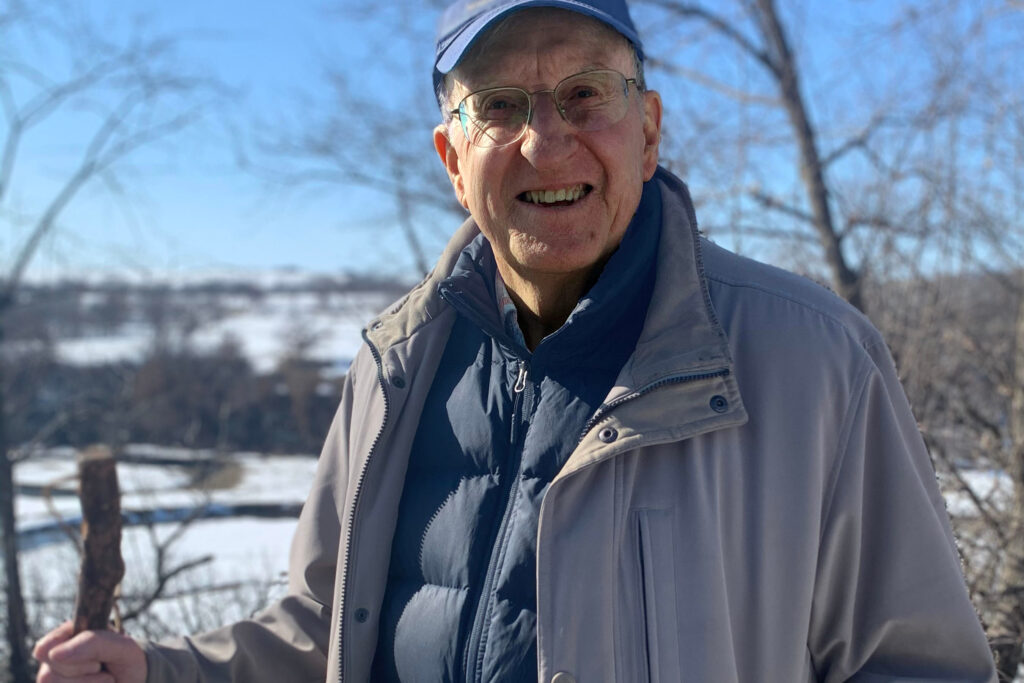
pixel 76 669
pixel 89 657
pixel 48 675
pixel 101 646
pixel 65 672
pixel 52 639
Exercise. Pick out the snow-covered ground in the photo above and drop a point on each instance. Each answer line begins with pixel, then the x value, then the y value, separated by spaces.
pixel 265 328
pixel 992 486
pixel 249 553
pixel 254 478
pixel 267 319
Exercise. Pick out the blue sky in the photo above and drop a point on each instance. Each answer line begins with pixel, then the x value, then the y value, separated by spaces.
pixel 187 207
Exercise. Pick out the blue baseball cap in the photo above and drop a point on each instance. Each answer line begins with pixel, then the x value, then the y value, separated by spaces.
pixel 465 20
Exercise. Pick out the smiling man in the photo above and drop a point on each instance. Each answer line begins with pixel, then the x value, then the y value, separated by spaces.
pixel 591 446
pixel 553 198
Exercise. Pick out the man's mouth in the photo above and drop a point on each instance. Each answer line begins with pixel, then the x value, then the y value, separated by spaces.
pixel 562 196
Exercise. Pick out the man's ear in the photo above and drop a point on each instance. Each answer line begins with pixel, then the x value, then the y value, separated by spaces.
pixel 450 159
pixel 652 132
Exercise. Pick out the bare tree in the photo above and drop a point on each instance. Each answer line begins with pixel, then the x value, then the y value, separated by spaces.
pixel 852 147
pixel 123 97
pixel 959 340
pixel 772 51
pixel 365 130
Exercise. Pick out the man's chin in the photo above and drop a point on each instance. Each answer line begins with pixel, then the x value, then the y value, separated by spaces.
pixel 546 260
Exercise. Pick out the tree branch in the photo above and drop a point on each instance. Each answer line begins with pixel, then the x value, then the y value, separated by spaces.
pixel 773 204
pixel 859 141
pixel 715 85
pixel 721 25
pixel 760 231
pixel 41 106
pixel 163 578
pixel 93 161
pixel 982 506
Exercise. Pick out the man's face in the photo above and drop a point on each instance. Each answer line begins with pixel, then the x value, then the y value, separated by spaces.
pixel 497 184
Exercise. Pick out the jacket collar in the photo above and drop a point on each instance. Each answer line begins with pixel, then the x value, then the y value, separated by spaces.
pixel 681 334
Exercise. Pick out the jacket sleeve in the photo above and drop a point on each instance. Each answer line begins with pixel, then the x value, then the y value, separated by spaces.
pixel 890 603
pixel 288 640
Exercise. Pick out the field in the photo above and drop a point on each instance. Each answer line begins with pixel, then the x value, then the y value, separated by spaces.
pixel 232 516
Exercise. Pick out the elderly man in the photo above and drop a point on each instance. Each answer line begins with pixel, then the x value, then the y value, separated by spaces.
pixel 592 446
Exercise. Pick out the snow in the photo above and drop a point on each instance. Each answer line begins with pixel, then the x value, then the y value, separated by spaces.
pixel 103 349
pixel 246 551
pixel 266 278
pixel 266 479
pixel 268 316
pixel 994 486
pixel 267 328
pixel 248 570
pixel 267 336
pixel 243 549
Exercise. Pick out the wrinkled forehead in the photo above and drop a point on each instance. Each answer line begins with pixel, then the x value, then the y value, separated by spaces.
pixel 558 40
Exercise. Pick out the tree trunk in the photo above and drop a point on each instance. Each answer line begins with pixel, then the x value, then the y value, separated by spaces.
pixel 17 623
pixel 1007 628
pixel 846 280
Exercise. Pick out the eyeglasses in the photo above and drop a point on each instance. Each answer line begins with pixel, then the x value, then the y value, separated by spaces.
pixel 588 101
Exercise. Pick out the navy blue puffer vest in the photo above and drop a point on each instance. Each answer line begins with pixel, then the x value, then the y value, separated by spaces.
pixel 498 424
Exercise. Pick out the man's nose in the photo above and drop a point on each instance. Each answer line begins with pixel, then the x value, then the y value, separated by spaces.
pixel 549 138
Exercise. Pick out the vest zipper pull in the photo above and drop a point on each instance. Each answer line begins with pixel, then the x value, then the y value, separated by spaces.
pixel 520 378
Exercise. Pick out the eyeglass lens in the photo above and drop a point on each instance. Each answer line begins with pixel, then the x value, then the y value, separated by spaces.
pixel 588 101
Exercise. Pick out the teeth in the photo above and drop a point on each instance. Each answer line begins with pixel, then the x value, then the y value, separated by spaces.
pixel 552 196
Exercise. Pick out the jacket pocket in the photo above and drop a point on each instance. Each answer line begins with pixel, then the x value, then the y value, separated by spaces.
pixel 657 594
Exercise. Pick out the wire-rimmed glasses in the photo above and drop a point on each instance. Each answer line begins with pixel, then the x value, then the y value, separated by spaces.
pixel 588 101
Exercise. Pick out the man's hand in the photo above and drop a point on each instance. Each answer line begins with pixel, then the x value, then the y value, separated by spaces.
pixel 89 657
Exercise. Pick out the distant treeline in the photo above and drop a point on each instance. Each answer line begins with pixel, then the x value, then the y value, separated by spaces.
pixel 953 337
pixel 44 312
pixel 185 398
pixel 175 393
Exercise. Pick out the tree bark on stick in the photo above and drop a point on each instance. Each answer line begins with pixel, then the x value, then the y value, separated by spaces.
pixel 102 564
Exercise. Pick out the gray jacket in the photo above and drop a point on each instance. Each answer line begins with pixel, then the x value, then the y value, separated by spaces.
pixel 752 503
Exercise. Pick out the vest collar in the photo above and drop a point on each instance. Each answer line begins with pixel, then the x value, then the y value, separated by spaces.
pixel 681 334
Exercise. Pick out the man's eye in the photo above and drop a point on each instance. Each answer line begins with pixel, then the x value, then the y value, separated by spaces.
pixel 498 107
pixel 585 92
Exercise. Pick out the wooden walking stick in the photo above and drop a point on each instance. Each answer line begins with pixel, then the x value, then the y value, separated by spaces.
pixel 102 565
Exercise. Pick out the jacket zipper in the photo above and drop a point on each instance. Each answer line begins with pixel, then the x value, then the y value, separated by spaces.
pixel 355 503
pixel 605 408
pixel 520 378
pixel 476 643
